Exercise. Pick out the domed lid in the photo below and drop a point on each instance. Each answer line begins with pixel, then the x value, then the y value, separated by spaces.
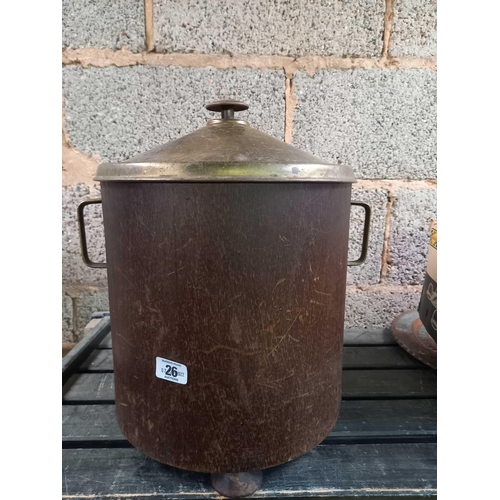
pixel 225 150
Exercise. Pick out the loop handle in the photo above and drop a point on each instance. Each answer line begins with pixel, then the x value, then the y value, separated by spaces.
pixel 83 237
pixel 366 234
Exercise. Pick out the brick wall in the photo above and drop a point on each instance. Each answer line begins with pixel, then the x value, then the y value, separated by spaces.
pixel 351 81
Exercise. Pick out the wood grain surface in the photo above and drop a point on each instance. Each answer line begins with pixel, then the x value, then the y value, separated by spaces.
pixel 244 284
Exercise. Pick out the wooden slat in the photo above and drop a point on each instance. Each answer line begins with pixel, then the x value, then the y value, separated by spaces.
pixel 99 314
pixel 72 361
pixel 352 337
pixel 90 387
pixel 360 471
pixel 387 417
pixel 94 423
pixel 101 360
pixel 366 384
pixel 379 357
pixel 368 419
pixel 106 342
pixel 370 337
pixel 356 384
pixel 98 361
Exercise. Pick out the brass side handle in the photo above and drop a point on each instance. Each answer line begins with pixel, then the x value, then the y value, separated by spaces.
pixel 366 234
pixel 83 237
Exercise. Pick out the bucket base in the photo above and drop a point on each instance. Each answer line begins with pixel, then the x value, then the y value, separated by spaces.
pixel 237 485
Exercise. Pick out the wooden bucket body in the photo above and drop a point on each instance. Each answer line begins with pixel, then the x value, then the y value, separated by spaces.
pixel 243 285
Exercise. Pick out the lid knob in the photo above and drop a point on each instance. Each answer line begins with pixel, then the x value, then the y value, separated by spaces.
pixel 227 108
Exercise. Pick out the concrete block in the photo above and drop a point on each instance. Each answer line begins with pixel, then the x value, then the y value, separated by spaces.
pixel 103 24
pixel 120 112
pixel 270 27
pixel 382 122
pixel 67 319
pixel 409 236
pixel 74 270
pixel 414 29
pixel 369 272
pixel 377 310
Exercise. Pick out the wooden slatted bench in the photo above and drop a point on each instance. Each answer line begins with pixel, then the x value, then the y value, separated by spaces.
pixel 384 443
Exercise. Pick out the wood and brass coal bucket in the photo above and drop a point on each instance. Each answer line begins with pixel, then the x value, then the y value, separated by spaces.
pixel 226 257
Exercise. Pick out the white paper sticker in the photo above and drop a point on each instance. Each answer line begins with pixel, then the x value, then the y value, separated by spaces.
pixel 167 369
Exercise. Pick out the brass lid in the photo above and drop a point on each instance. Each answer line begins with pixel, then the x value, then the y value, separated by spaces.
pixel 225 150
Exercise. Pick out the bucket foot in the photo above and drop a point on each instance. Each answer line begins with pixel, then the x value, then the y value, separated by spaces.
pixel 237 485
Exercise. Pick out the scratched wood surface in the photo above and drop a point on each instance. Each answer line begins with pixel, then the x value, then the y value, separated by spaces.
pixel 352 337
pixel 247 279
pixel 384 443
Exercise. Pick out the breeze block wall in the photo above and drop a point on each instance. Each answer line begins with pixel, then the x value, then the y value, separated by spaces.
pixel 351 81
